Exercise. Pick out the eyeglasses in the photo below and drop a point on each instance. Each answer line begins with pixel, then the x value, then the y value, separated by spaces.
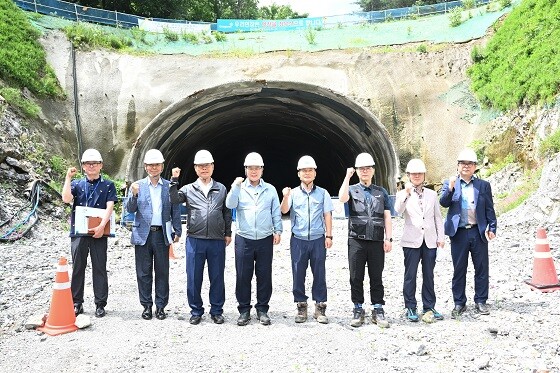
pixel 91 164
pixel 364 169
pixel 204 165
pixel 307 170
pixel 253 168
pixel 468 164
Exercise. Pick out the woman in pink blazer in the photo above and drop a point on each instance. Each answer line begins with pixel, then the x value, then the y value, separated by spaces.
pixel 422 235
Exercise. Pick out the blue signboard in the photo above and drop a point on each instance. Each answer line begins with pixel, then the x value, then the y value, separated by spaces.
pixel 235 25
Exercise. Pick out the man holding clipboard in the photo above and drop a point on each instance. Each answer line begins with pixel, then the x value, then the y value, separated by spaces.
pixel 94 192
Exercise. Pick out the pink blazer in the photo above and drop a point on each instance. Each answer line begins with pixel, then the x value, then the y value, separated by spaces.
pixel 418 226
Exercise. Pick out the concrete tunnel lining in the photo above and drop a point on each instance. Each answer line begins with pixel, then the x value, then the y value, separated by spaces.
pixel 280 120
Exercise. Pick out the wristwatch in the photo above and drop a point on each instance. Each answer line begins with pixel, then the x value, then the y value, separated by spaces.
pixel 389 239
pixel 328 237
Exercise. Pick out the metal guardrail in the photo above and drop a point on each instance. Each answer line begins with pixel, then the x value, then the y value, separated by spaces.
pixel 76 12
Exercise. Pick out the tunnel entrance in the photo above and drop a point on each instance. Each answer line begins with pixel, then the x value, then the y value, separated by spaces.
pixel 280 120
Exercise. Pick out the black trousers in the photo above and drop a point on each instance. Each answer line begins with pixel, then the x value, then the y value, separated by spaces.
pixel 253 255
pixel 360 253
pixel 97 249
pixel 153 256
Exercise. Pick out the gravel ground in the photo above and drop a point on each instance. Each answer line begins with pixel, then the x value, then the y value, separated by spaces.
pixel 520 334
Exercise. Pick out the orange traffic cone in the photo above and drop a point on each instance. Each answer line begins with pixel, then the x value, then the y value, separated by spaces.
pixel 171 252
pixel 61 317
pixel 544 278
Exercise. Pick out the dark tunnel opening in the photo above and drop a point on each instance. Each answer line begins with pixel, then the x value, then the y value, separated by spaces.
pixel 282 121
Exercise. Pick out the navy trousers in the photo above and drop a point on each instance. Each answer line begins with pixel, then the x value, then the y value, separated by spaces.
pixel 153 256
pixel 199 252
pixel 360 253
pixel 304 253
pixel 253 255
pixel 464 242
pixel 412 257
pixel 97 250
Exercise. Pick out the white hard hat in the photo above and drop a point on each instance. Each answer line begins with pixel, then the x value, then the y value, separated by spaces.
pixel 416 166
pixel 153 156
pixel 203 157
pixel 91 155
pixel 467 155
pixel 253 159
pixel 364 160
pixel 306 162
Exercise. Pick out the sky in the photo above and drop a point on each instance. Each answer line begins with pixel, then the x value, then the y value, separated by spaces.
pixel 317 8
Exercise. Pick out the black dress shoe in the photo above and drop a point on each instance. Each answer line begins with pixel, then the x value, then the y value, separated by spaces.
pixel 218 319
pixel 195 320
pixel 160 314
pixel 244 318
pixel 100 311
pixel 482 309
pixel 147 314
pixel 263 318
pixel 458 311
pixel 78 309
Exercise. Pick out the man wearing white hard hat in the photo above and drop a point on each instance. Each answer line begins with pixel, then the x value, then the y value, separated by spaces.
pixel 310 208
pixel 259 225
pixel 369 238
pixel 208 234
pixel 90 191
pixel 155 220
pixel 471 222
pixel 422 235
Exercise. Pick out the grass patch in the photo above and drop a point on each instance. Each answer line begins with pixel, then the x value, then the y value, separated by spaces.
pixel 14 97
pixel 521 63
pixel 456 16
pixel 87 36
pixel 22 59
pixel 311 36
pixel 495 167
pixel 519 194
pixel 551 144
pixel 170 35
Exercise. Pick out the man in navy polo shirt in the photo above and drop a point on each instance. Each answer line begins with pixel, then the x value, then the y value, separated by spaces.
pixel 90 191
pixel 310 210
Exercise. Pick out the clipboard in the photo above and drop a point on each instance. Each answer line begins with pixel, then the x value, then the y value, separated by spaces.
pixel 94 221
pixel 90 217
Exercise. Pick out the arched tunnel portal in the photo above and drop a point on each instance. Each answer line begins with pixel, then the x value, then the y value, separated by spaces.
pixel 280 120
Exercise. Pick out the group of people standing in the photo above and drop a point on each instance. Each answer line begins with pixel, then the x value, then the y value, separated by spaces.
pixel 156 202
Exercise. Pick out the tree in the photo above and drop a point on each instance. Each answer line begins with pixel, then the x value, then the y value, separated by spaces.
pixel 279 12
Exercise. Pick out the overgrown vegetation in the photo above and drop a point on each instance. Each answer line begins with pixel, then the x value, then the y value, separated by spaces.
pixel 456 16
pixel 551 144
pixel 170 35
pixel 310 35
pixel 22 59
pixel 86 36
pixel 14 97
pixel 517 196
pixel 521 63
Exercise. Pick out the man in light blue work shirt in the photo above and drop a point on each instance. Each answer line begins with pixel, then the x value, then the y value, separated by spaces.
pixel 310 210
pixel 259 225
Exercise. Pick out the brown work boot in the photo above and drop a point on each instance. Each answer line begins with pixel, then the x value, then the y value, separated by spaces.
pixel 301 312
pixel 319 314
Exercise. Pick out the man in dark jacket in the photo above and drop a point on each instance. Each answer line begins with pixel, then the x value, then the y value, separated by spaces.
pixel 208 234
pixel 471 222
pixel 154 221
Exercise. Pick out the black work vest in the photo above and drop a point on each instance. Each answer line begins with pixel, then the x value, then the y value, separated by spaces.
pixel 366 218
